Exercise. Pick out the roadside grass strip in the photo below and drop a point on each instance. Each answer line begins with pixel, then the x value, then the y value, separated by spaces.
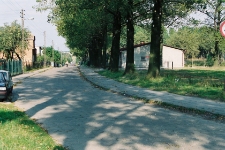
pixel 209 84
pixel 18 132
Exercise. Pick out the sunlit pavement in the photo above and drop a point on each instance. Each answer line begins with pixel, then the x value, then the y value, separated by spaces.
pixel 80 116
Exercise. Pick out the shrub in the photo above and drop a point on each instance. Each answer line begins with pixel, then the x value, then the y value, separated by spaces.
pixel 199 62
pixel 209 61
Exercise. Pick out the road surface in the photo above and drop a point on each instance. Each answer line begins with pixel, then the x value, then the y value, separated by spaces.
pixel 82 117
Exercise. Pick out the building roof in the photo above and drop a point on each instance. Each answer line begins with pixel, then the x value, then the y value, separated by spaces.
pixel 143 44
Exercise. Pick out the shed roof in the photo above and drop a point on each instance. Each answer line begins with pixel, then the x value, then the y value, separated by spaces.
pixel 143 44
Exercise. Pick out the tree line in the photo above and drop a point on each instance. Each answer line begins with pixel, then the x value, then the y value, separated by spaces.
pixel 13 43
pixel 93 28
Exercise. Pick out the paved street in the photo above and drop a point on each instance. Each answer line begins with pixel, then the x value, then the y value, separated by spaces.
pixel 82 117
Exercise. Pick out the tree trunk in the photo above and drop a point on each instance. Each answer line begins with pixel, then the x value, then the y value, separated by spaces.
pixel 130 40
pixel 18 56
pixel 154 61
pixel 115 49
pixel 104 46
pixel 95 51
pixel 99 49
pixel 92 48
pixel 217 20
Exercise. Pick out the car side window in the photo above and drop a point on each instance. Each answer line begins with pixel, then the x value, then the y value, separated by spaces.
pixel 2 77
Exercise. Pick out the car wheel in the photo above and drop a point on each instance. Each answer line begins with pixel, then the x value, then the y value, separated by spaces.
pixel 10 91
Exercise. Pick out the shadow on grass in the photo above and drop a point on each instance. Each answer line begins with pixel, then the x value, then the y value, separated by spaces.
pixel 7 116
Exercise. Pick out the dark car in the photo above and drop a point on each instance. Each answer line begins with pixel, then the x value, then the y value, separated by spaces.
pixel 6 84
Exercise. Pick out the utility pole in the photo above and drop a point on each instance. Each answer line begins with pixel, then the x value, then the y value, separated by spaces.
pixel 22 42
pixel 45 49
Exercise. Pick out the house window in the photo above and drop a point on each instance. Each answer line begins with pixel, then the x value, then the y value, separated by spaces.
pixel 143 58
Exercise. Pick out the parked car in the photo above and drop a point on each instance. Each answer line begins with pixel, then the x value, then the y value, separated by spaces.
pixel 6 84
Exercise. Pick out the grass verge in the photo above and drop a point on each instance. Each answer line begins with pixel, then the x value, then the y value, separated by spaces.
pixel 21 133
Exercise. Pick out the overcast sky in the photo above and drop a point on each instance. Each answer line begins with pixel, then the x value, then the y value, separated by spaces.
pixel 10 11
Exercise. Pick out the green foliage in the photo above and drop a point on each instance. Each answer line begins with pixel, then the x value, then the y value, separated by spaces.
pixel 81 21
pixel 199 62
pixel 11 39
pixel 48 51
pixel 141 35
pixel 214 10
pixel 209 61
pixel 40 58
pixel 187 39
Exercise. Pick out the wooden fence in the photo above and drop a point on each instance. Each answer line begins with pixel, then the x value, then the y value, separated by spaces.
pixel 14 66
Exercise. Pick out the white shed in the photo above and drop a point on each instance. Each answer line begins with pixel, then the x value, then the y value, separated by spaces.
pixel 171 57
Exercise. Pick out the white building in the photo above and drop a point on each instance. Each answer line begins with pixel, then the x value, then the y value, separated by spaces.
pixel 39 50
pixel 171 57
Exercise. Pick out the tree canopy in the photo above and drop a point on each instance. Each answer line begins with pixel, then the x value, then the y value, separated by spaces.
pixel 89 27
pixel 11 40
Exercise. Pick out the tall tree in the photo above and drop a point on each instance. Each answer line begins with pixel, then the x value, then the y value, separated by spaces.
pixel 76 16
pixel 214 11
pixel 11 40
pixel 160 16
pixel 130 38
pixel 154 61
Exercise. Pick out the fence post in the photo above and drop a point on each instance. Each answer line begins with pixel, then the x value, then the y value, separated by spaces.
pixel 12 67
pixel 16 66
pixel 20 66
pixel 7 65
pixel 223 84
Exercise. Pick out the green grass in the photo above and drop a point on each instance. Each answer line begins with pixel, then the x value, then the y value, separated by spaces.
pixel 18 132
pixel 192 82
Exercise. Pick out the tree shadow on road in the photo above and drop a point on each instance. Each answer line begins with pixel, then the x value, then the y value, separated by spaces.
pixel 80 116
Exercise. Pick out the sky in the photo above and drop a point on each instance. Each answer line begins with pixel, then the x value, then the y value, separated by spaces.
pixel 10 11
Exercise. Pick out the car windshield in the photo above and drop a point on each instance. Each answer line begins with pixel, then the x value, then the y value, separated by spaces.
pixel 5 74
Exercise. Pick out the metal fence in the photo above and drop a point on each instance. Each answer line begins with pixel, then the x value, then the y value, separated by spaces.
pixel 14 66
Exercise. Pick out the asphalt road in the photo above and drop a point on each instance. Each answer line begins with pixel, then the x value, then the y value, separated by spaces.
pixel 82 117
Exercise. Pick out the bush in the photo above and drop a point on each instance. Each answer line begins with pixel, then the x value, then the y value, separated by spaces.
pixel 223 63
pixel 209 61
pixel 200 62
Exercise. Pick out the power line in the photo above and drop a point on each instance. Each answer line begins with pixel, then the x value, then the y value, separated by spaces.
pixel 18 4
pixel 10 7
pixel 13 4
pixel 17 13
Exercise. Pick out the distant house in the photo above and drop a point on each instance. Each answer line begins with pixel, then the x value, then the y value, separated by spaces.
pixel 171 57
pixel 39 50
pixel 29 55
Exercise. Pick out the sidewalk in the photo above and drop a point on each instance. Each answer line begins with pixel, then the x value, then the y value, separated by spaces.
pixel 18 78
pixel 184 101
